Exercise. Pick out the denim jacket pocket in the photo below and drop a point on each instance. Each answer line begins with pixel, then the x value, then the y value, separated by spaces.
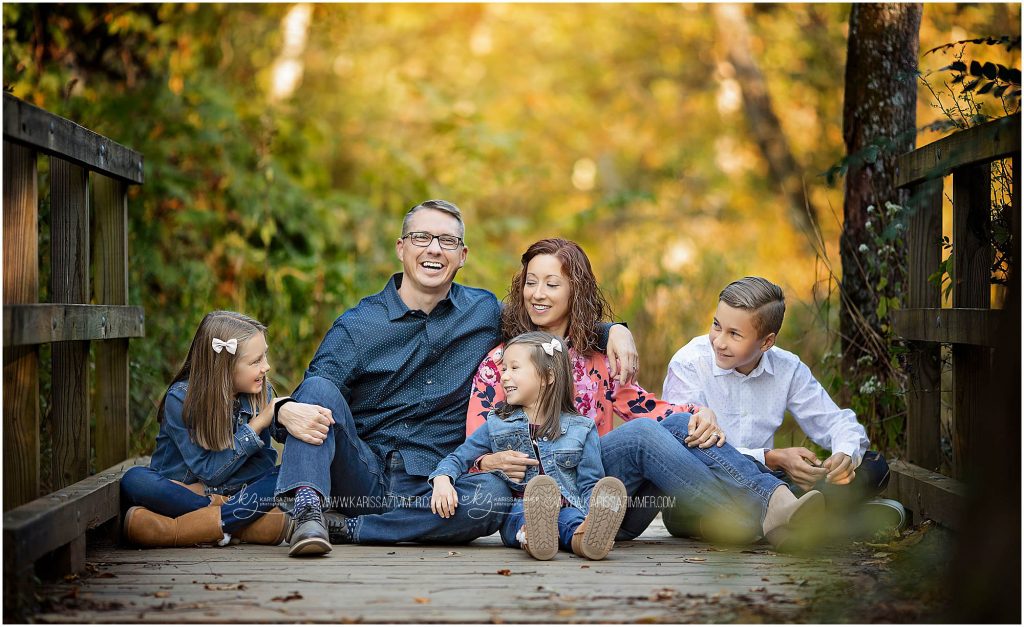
pixel 513 441
pixel 568 459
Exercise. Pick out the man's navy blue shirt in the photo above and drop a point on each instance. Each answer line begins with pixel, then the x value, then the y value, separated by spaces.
pixel 407 375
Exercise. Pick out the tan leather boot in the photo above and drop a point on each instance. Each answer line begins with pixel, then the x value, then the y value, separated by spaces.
pixel 145 528
pixel 270 528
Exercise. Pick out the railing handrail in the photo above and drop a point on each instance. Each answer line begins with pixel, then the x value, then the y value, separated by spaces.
pixel 986 142
pixel 53 135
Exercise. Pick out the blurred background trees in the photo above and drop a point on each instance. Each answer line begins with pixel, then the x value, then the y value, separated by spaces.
pixel 682 145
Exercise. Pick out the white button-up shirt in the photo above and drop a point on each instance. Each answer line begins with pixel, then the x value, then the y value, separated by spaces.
pixel 750 408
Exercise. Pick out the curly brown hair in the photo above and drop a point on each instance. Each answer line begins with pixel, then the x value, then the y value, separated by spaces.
pixel 587 305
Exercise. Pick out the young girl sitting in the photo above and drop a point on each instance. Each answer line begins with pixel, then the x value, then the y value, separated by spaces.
pixel 213 473
pixel 565 501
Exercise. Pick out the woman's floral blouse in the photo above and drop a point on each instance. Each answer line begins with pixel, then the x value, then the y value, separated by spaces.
pixel 598 395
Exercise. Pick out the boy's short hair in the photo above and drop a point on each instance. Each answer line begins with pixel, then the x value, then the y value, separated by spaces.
pixel 759 296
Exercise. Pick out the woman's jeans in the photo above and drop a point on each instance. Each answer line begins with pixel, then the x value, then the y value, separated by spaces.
pixel 569 519
pixel 146 487
pixel 660 471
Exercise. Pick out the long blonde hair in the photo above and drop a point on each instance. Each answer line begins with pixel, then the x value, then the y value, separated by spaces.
pixel 209 401
pixel 556 397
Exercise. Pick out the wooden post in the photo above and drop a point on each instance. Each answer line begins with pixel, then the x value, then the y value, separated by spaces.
pixel 69 283
pixel 972 271
pixel 21 363
pixel 110 275
pixel 924 361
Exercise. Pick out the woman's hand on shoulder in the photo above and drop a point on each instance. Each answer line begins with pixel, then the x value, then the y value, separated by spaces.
pixel 623 358
pixel 309 423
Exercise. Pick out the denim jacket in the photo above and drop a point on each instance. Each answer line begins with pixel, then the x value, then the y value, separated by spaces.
pixel 177 457
pixel 573 459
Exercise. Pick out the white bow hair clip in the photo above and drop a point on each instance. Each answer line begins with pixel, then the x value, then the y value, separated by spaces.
pixel 551 347
pixel 219 345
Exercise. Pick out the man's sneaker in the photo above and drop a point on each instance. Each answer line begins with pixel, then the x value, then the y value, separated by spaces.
pixel 878 515
pixel 337 528
pixel 309 534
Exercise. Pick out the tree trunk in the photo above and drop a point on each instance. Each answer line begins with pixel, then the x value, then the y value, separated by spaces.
pixel 879 110
pixel 762 122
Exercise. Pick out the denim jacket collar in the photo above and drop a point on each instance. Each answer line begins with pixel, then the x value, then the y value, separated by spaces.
pixel 519 415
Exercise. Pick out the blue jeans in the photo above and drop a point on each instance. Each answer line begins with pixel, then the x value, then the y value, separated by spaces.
pixel 146 487
pixel 569 519
pixel 651 461
pixel 390 504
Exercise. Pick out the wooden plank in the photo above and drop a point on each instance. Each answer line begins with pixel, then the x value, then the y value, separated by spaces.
pixel 986 142
pixel 69 283
pixel 21 363
pixel 976 327
pixel 110 276
pixel 972 270
pixel 924 365
pixel 696 582
pixel 49 522
pixel 43 323
pixel 929 495
pixel 59 137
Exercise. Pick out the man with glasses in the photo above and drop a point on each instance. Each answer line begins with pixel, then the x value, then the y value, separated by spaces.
pixel 385 399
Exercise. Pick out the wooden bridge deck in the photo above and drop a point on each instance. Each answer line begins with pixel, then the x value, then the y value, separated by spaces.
pixel 656 578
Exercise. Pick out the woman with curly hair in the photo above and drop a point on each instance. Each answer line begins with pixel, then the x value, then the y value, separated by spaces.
pixel 662 450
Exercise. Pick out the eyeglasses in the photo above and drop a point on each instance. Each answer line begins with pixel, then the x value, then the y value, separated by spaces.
pixel 424 239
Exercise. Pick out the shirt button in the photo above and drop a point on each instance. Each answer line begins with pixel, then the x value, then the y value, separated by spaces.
pixel 430 381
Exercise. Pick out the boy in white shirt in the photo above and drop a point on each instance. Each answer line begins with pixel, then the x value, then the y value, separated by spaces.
pixel 738 372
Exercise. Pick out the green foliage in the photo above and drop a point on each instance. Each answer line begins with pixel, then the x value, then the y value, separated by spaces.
pixel 618 126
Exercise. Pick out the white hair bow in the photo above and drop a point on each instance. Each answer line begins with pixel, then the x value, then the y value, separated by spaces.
pixel 551 347
pixel 219 345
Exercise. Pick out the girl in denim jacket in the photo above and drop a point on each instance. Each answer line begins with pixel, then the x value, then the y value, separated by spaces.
pixel 566 501
pixel 213 473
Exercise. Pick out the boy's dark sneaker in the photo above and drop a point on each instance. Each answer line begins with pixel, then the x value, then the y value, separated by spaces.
pixel 337 528
pixel 882 515
pixel 309 534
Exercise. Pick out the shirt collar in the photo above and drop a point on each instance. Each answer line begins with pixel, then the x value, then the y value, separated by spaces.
pixel 397 307
pixel 763 367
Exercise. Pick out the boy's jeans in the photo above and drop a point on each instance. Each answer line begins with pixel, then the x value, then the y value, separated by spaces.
pixel 569 519
pixel 146 487
pixel 651 460
pixel 391 505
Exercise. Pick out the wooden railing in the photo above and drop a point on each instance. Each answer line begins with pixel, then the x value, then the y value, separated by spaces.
pixel 971 326
pixel 88 177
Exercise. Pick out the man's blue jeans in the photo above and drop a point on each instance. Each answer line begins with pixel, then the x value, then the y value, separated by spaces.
pixel 652 461
pixel 569 519
pixel 146 487
pixel 390 504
